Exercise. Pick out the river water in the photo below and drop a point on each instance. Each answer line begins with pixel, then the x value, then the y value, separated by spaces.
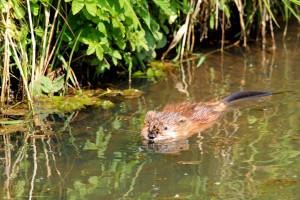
pixel 253 152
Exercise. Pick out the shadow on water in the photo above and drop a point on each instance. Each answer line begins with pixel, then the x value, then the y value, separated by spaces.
pixel 251 153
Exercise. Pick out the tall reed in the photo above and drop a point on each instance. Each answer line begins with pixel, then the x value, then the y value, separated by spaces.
pixel 258 15
pixel 30 42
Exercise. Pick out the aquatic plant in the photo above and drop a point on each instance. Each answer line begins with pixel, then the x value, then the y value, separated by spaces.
pixel 44 44
pixel 32 38
pixel 245 17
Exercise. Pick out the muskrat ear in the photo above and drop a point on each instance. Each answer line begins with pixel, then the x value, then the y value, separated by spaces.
pixel 150 114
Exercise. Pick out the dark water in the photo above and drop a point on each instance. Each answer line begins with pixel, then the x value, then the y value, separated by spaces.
pixel 252 153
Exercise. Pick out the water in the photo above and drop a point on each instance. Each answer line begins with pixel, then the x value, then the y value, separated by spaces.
pixel 253 152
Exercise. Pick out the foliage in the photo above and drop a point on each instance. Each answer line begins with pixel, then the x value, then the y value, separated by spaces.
pixel 206 17
pixel 45 43
pixel 122 33
pixel 32 39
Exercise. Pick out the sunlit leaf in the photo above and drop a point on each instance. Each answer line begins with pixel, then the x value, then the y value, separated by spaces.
pixel 212 21
pixel 58 84
pixel 138 73
pixel 159 73
pixel 91 49
pixel 91 7
pixel 99 52
pixel 34 9
pixel 201 60
pixel 101 27
pixel 11 122
pixel 270 11
pixel 107 104
pixel 19 12
pixel 46 84
pixel 39 31
pixel 94 180
pixel 116 54
pixel 150 72
pixel 20 188
pixel 227 11
pixel 77 5
pixel 90 146
pixel 165 6
pixel 116 124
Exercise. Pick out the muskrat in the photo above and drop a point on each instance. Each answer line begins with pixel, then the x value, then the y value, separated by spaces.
pixel 181 120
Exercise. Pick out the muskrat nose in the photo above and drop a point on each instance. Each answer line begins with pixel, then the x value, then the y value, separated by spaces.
pixel 151 136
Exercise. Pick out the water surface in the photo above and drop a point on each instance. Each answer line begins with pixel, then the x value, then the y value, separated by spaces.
pixel 253 152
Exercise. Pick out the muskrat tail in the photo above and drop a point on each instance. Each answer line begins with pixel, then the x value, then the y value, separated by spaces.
pixel 244 95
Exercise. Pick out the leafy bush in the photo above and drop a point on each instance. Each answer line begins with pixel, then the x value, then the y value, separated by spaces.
pixel 122 33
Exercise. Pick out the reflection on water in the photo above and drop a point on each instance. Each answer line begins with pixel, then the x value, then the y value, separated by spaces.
pixel 251 153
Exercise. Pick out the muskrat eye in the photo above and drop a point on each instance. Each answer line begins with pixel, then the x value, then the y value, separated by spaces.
pixel 165 128
pixel 182 121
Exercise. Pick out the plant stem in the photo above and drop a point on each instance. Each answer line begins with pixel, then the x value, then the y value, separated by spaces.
pixel 33 67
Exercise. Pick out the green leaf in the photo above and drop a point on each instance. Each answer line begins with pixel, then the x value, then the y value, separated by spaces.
pixel 19 13
pixel 121 44
pixel 101 27
pixel 46 84
pixel 58 84
pixel 150 72
pixel 287 4
pixel 115 61
pixel 159 73
pixel 116 124
pixel 37 89
pixel 99 52
pixel 94 180
pixel 77 5
pixel 165 6
pixel 270 11
pixel 20 189
pixel 11 122
pixel 90 146
pixel 107 104
pixel 34 8
pixel 39 31
pixel 227 11
pixel 91 8
pixel 212 21
pixel 130 12
pixel 116 54
pixel 91 49
pixel 201 60
pixel 138 74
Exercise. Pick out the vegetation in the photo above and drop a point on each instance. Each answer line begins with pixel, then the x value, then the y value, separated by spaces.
pixel 46 45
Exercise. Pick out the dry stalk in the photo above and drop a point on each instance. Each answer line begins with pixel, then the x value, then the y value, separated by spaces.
pixel 48 55
pixel 45 40
pixel 223 30
pixel 5 75
pixel 272 31
pixel 239 6
pixel 18 63
pixel 33 67
pixel 217 15
pixel 263 25
pixel 187 22
pixel 192 24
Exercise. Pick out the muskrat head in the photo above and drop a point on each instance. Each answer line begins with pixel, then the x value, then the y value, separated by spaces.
pixel 164 126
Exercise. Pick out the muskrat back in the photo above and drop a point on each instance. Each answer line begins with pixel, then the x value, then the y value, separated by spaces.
pixel 181 120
